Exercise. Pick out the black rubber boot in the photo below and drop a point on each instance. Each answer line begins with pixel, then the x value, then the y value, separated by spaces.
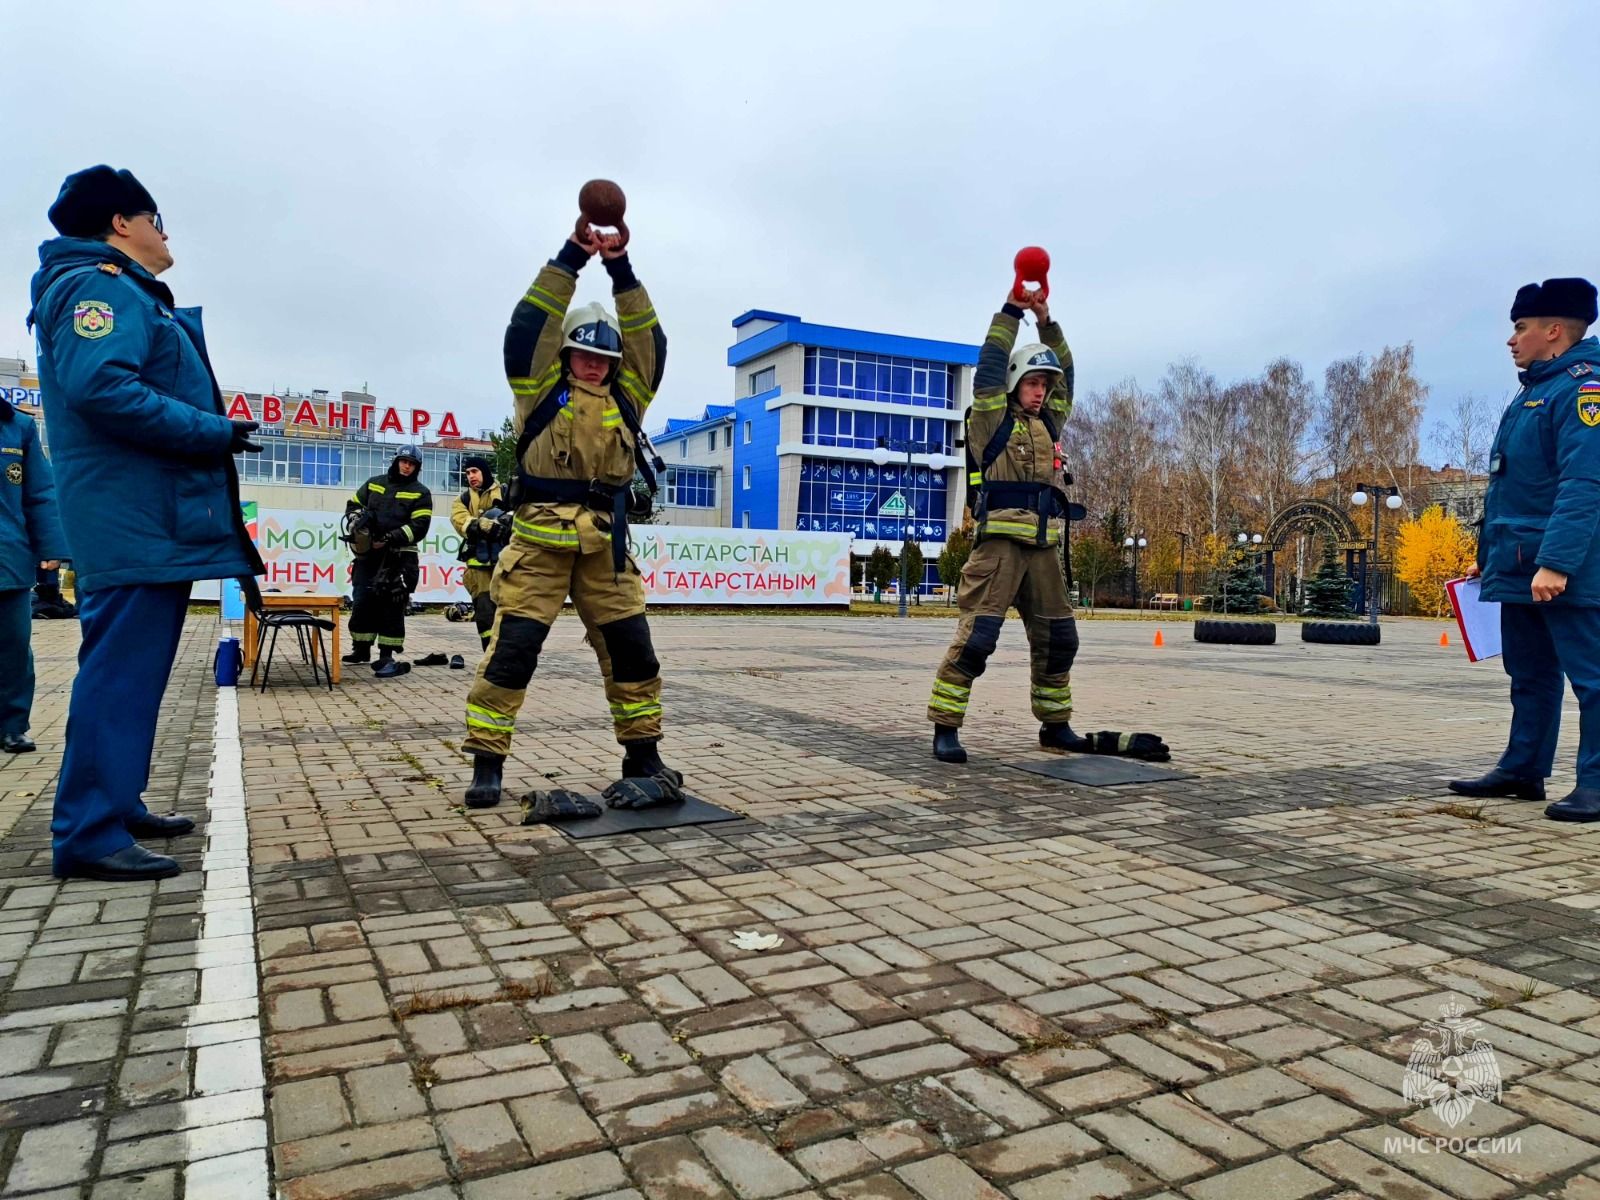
pixel 947 745
pixel 487 772
pixel 1058 738
pixel 641 760
pixel 1500 783
pixel 1580 804
pixel 362 653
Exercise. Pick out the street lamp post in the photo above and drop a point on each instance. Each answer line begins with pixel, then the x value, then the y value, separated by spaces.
pixel 880 456
pixel 1392 500
pixel 1135 544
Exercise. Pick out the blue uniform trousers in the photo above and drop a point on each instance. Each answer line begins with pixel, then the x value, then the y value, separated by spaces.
pixel 16 660
pixel 130 637
pixel 1540 644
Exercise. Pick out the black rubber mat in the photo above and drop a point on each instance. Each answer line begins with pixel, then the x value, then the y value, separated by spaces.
pixel 1098 770
pixel 691 810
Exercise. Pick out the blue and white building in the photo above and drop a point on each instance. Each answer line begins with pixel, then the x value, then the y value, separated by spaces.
pixel 803 445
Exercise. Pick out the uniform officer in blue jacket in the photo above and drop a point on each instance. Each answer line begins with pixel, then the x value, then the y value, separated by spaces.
pixel 149 502
pixel 30 539
pixel 1538 554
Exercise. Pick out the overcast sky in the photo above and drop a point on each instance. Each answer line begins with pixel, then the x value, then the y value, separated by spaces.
pixel 358 193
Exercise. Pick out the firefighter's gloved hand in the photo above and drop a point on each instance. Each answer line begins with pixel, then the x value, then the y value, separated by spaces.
pixel 664 787
pixel 240 442
pixel 558 804
pixel 1147 746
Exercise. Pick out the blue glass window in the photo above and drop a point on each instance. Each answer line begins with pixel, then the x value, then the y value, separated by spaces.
pixel 860 376
pixel 691 487
pixel 868 501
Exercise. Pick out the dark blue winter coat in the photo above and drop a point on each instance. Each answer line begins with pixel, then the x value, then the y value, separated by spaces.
pixel 1543 502
pixel 138 438
pixel 30 532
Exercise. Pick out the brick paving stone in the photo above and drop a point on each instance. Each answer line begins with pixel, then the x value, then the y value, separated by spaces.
pixel 760 1086
pixel 1454 1174
pixel 1101 1179
pixel 1341 1160
pixel 308 1107
pixel 1098 1089
pixel 52 1155
pixel 1201 1129
pixel 1152 1148
pixel 1032 1152
pixel 1311 1119
pixel 746 1161
pixel 673 1167
pixel 1248 1092
pixel 482 1140
pixel 947 1178
pixel 1282 1178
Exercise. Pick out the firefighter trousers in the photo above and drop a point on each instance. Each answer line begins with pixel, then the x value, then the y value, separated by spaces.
pixel 530 585
pixel 999 574
pixel 477 580
pixel 377 609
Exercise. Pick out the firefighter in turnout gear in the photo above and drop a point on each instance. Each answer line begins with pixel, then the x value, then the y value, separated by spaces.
pixel 390 514
pixel 581 381
pixel 476 516
pixel 1020 400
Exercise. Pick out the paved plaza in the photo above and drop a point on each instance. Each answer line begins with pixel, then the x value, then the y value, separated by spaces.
pixel 990 984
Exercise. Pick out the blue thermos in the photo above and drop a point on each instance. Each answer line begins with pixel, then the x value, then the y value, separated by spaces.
pixel 229 662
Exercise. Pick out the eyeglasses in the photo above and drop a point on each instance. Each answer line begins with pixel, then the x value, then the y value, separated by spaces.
pixel 155 219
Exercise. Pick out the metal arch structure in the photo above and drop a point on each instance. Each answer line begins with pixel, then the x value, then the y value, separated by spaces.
pixel 1324 517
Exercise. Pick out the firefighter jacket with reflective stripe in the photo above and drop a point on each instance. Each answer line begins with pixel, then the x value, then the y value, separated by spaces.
pixel 1030 455
pixel 401 508
pixel 469 506
pixel 588 440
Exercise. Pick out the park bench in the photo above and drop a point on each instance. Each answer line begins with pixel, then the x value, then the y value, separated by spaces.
pixel 1164 600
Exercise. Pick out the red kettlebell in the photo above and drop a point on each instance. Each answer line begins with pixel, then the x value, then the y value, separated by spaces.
pixel 1032 264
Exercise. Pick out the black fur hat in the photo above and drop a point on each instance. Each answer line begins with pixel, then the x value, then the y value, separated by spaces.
pixel 90 198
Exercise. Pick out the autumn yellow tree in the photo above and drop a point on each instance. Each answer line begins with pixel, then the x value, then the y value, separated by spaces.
pixel 1430 550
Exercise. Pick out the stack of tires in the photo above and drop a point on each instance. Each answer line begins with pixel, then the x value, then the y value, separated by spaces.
pixel 1340 633
pixel 1236 633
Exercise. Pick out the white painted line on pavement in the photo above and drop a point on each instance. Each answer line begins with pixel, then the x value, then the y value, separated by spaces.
pixel 224 1123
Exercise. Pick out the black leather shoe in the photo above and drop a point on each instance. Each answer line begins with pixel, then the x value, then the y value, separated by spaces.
pixel 362 653
pixel 641 760
pixel 947 745
pixel 130 864
pixel 457 663
pixel 1500 783
pixel 1580 804
pixel 1058 738
pixel 153 825
pixel 487 781
pixel 17 743
pixel 388 670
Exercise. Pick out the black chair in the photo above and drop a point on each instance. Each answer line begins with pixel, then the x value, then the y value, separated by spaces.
pixel 305 626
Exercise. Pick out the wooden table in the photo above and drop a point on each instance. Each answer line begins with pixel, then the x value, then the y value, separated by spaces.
pixel 326 607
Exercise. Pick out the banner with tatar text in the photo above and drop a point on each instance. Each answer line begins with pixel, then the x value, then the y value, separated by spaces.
pixel 680 565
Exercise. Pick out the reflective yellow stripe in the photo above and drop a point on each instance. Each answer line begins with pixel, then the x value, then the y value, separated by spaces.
pixel 974 477
pixel 611 418
pixel 548 535
pixel 638 321
pixel 566 411
pixel 1052 699
pixel 356 496
pixel 523 386
pixel 988 403
pixel 422 512
pixel 377 487
pixel 543 300
pixel 644 708
pixel 483 718
pixel 406 529
pixel 949 697
pixel 634 386
pixel 408 495
pixel 395 642
pixel 1000 331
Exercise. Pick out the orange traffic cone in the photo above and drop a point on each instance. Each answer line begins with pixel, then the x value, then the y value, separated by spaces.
pixel 1160 641
pixel 1444 639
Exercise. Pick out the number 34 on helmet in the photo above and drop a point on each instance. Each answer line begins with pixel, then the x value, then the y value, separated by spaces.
pixel 1025 360
pixel 590 327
